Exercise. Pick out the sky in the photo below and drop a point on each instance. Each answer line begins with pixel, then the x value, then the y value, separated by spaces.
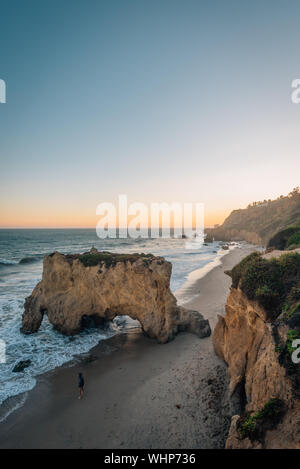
pixel 162 100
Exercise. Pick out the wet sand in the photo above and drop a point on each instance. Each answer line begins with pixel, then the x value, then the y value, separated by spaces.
pixel 138 394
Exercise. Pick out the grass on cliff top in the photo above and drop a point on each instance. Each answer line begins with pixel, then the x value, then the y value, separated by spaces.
pixel 254 426
pixel 270 282
pixel 89 259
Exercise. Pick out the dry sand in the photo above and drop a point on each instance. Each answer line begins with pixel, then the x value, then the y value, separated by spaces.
pixel 139 394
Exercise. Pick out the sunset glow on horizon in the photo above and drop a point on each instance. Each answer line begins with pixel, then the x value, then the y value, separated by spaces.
pixel 163 101
pixel 61 219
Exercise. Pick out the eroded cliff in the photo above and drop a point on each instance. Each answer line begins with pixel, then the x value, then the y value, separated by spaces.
pixel 259 222
pixel 255 340
pixel 99 286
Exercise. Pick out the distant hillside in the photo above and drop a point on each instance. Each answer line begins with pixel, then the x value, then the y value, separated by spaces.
pixel 261 220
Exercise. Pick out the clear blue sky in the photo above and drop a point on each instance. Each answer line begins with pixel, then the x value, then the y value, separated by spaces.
pixel 164 100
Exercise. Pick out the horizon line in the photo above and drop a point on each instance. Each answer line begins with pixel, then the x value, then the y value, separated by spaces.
pixel 83 228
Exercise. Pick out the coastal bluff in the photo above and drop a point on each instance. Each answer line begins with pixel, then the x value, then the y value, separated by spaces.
pixel 78 290
pixel 260 221
pixel 255 339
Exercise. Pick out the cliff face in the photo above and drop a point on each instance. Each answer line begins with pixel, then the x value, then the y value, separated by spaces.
pixel 99 286
pixel 224 233
pixel 260 221
pixel 247 341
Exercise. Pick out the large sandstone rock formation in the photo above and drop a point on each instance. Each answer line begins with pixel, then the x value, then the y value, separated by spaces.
pixel 99 286
pixel 248 341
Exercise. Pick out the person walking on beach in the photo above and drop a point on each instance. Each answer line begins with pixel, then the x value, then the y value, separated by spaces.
pixel 80 385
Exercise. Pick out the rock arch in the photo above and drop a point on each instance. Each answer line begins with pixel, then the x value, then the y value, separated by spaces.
pixel 103 285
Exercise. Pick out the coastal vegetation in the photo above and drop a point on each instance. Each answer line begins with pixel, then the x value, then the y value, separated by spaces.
pixel 292 335
pixel 288 238
pixel 90 259
pixel 254 426
pixel 261 220
pixel 270 282
pixel 275 285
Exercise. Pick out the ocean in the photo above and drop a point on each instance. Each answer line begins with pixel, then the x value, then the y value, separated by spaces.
pixel 21 256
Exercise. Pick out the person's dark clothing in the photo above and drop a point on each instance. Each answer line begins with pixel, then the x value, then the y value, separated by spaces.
pixel 80 381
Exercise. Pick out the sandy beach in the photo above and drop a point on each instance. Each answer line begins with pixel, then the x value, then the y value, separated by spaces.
pixel 139 394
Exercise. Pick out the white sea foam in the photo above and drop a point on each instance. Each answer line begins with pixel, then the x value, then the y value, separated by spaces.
pixel 10 407
pixel 47 349
pixel 183 294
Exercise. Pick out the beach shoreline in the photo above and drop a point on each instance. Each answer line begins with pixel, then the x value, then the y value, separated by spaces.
pixel 139 394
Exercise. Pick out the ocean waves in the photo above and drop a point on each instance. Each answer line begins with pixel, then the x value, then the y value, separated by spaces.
pixel 25 260
pixel 7 263
pixel 30 260
pixel 21 254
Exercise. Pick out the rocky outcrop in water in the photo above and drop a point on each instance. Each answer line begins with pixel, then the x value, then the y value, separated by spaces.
pixel 77 291
pixel 21 365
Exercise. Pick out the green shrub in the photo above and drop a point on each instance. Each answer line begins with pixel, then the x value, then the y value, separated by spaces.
pixel 238 271
pixel 89 260
pixel 281 239
pixel 294 294
pixel 289 312
pixel 291 336
pixel 248 428
pixel 294 240
pixel 262 277
pixel 270 282
pixel 290 271
pixel 254 426
pixel 107 258
pixel 271 410
pixel 267 297
pixel 286 308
